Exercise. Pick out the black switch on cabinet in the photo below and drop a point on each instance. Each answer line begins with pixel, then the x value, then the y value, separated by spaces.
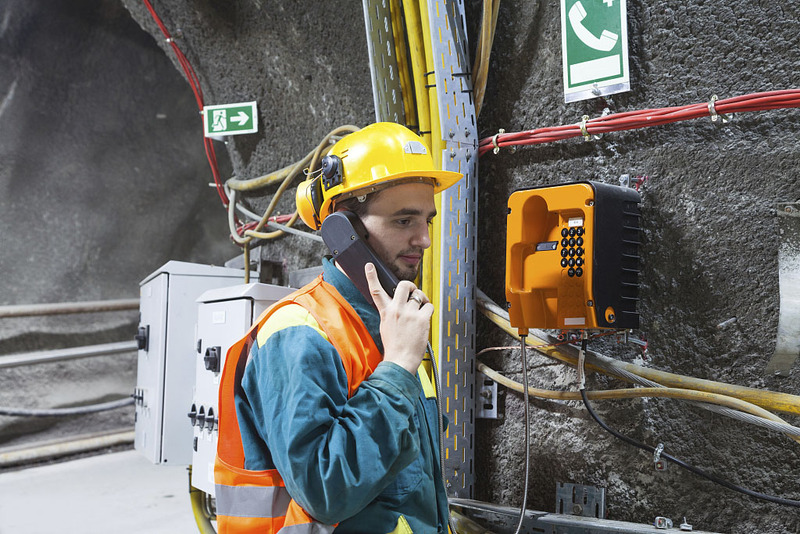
pixel 193 414
pixel 212 358
pixel 142 338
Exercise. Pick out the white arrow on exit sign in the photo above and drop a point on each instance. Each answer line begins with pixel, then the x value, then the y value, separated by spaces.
pixel 241 119
pixel 230 119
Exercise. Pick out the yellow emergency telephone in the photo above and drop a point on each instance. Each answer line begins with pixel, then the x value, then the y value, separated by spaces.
pixel 572 257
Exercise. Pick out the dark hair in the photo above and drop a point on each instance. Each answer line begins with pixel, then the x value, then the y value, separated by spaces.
pixel 354 205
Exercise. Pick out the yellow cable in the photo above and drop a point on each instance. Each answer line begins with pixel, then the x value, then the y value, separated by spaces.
pixel 481 59
pixel 198 508
pixel 416 44
pixel 280 175
pixel 285 176
pixel 271 235
pixel 770 400
pixel 263 181
pixel 416 48
pixel 480 69
pixel 630 393
pixel 246 258
pixel 403 66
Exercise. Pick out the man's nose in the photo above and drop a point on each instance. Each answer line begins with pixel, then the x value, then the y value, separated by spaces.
pixel 422 237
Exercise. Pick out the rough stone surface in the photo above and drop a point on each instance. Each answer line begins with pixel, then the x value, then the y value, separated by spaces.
pixel 710 231
pixel 102 180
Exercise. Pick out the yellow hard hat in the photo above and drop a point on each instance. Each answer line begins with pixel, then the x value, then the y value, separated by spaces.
pixel 378 156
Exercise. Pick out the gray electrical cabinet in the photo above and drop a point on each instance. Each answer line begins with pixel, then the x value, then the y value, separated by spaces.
pixel 223 316
pixel 167 354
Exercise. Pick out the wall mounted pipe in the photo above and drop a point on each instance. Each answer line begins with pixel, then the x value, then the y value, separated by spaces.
pixel 49 356
pixel 62 308
pixel 47 451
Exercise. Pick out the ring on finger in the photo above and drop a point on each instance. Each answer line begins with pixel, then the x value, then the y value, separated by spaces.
pixel 415 299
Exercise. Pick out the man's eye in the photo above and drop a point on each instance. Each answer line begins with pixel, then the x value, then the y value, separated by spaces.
pixel 403 222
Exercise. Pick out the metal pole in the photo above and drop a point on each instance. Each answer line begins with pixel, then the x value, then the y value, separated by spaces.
pixel 47 356
pixel 30 310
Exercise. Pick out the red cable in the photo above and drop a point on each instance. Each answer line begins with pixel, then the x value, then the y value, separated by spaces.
pixel 630 120
pixel 194 83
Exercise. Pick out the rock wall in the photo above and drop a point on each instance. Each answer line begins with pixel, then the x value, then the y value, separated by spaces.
pixel 710 232
pixel 709 283
pixel 103 178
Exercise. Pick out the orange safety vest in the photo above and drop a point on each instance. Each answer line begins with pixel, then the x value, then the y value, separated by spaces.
pixel 257 501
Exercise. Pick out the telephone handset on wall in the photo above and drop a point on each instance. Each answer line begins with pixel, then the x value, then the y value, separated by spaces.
pixel 345 236
pixel 604 43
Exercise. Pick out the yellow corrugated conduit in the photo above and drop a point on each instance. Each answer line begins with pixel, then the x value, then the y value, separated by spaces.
pixel 199 501
pixel 748 400
pixel 480 69
pixel 284 176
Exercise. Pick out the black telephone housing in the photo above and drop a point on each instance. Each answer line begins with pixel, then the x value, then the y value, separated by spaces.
pixel 345 236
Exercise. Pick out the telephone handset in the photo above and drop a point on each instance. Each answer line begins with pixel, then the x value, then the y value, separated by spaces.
pixel 345 236
pixel 604 43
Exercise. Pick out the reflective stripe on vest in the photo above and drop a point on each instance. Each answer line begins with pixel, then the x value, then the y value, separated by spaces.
pixel 256 501
pixel 252 501
pixel 307 528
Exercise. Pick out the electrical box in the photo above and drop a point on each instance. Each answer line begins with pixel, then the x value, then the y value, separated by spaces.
pixel 223 316
pixel 166 362
pixel 572 257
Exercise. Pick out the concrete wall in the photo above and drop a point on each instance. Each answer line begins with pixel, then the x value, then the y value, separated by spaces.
pixel 710 230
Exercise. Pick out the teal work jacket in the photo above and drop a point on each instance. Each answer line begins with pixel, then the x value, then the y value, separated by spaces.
pixel 369 462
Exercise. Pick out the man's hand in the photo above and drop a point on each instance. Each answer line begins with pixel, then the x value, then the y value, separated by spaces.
pixel 405 321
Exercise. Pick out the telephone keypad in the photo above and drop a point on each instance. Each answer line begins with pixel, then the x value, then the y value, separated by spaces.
pixel 572 250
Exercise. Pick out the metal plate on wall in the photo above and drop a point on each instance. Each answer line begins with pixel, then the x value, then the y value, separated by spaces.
pixel 457 329
pixel 386 91
pixel 787 346
pixel 458 241
pixel 452 71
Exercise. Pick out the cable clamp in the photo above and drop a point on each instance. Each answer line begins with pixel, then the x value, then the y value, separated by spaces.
pixel 659 463
pixel 582 361
pixel 496 148
pixel 586 135
pixel 712 110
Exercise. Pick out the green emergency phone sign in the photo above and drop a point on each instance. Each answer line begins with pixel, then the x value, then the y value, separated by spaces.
pixel 594 47
pixel 230 119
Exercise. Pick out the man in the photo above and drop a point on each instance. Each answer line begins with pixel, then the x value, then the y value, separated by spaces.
pixel 330 397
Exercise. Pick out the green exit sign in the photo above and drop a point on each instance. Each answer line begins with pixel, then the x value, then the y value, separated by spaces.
pixel 230 119
pixel 594 47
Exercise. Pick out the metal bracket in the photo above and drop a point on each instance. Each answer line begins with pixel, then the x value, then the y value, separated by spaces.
pixel 487 397
pixel 386 91
pixel 585 501
pixel 458 250
pixel 503 520
pixel 787 348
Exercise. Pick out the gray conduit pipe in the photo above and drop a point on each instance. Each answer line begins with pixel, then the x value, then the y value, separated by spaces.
pixel 62 308
pixel 48 356
pixel 48 451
